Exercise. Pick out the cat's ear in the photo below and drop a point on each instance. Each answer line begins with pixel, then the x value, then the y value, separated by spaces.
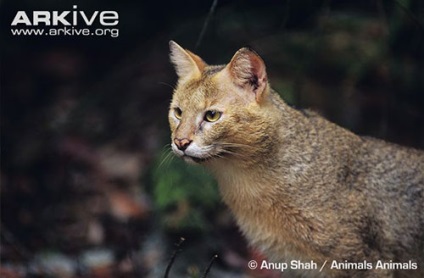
pixel 247 70
pixel 186 63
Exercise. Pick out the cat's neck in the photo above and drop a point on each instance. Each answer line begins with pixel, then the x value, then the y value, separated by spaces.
pixel 243 185
pixel 265 168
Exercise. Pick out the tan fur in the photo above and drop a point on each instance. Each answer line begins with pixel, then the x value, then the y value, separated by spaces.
pixel 299 186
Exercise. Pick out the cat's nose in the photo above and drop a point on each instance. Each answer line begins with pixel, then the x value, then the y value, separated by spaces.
pixel 182 144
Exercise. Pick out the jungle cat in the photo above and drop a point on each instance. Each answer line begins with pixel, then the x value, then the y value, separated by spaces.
pixel 300 187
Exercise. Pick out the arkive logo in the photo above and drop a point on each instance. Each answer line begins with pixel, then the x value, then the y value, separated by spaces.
pixel 73 22
pixel 66 18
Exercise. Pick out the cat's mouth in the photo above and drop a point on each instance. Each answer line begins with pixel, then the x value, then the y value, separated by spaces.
pixel 198 155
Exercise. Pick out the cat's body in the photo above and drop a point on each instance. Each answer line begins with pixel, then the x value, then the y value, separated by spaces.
pixel 299 186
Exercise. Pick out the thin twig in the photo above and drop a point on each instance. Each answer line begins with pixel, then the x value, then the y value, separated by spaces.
pixel 286 15
pixel 15 244
pixel 205 25
pixel 174 255
pixel 383 16
pixel 410 14
pixel 209 266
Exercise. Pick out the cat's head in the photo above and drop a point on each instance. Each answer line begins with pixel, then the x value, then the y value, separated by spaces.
pixel 217 111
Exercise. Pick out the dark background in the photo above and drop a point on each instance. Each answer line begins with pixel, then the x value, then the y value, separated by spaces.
pixel 88 185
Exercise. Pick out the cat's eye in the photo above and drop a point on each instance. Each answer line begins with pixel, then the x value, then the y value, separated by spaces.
pixel 178 113
pixel 212 116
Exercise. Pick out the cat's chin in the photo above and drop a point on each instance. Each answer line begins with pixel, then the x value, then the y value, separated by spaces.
pixel 189 160
pixel 195 160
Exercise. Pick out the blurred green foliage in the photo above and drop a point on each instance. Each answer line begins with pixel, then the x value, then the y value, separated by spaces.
pixel 183 194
